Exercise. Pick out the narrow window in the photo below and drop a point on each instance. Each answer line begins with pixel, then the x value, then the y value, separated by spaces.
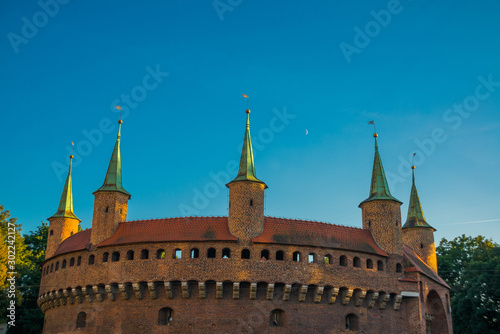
pixel 160 254
pixel 343 261
pixel 104 257
pixel 399 267
pixel 356 262
pixel 421 245
pixel 226 253
pixel 351 322
pixel 51 232
pixel 310 258
pixel 251 202
pixel 328 259
pixel 211 253
pixel 245 254
pixel 79 261
pixel 277 318
pixel 81 318
pixel 57 266
pixel 195 253
pixel 72 262
pixel 115 257
pixel 144 254
pixel 51 267
pixel 369 223
pixel 280 255
pixel 165 316
pixel 296 256
pixel 369 264
pixel 107 209
pixel 380 265
pixel 177 254
pixel 130 255
pixel 264 255
pixel 396 223
pixel 91 260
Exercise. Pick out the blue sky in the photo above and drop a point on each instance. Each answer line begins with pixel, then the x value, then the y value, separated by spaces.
pixel 427 72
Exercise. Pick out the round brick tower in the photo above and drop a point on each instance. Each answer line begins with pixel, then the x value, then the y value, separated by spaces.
pixel 246 195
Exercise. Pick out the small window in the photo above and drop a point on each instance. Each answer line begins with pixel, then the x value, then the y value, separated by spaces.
pixel 63 266
pixel 51 232
pixel 380 265
pixel 251 202
pixel 351 322
pixel 343 261
pixel 399 267
pixel 421 245
pixel 277 318
pixel 369 223
pixel 226 253
pixel 115 257
pixel 57 266
pixel 107 209
pixel 195 253
pixel 356 262
pixel 280 255
pixel 81 319
pixel 72 262
pixel 160 254
pixel 211 253
pixel 105 257
pixel 264 255
pixel 245 254
pixel 177 254
pixel 79 261
pixel 296 256
pixel 144 254
pixel 165 316
pixel 311 257
pixel 328 259
pixel 396 223
pixel 369 264
pixel 130 255
pixel 91 260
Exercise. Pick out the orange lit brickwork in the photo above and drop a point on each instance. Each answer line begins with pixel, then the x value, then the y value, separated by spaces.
pixel 421 240
pixel 59 229
pixel 110 208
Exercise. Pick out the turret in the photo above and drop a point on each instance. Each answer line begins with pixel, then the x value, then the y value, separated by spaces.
pixel 381 212
pixel 111 200
pixel 246 195
pixel 417 233
pixel 63 223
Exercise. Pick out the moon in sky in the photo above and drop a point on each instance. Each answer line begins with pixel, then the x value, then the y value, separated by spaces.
pixel 307 132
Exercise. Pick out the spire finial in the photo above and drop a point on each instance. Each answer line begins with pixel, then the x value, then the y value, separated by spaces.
pixel 413 168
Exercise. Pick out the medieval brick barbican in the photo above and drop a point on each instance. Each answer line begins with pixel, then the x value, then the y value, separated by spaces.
pixel 245 273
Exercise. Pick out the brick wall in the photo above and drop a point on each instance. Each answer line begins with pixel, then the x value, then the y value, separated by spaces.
pixel 421 240
pixel 59 230
pixel 110 208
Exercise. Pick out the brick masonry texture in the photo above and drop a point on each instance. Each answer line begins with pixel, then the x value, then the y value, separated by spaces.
pixel 110 208
pixel 421 240
pixel 59 230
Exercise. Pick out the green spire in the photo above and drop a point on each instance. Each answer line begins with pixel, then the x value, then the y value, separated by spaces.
pixel 65 209
pixel 415 214
pixel 113 180
pixel 246 171
pixel 379 189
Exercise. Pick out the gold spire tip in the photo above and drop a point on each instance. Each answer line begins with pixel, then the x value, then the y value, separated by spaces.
pixel 375 135
pixel 412 167
pixel 247 111
pixel 120 121
pixel 71 156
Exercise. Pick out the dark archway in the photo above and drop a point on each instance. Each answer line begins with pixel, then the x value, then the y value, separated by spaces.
pixel 436 321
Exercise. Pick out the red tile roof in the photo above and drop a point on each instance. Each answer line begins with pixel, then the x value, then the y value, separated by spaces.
pixel 276 231
pixel 310 233
pixel 421 266
pixel 76 242
pixel 171 229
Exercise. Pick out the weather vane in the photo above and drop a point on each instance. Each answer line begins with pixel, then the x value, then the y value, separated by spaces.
pixel 374 129
pixel 246 97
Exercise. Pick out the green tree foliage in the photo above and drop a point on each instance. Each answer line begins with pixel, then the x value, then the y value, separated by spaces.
pixel 30 252
pixel 471 266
